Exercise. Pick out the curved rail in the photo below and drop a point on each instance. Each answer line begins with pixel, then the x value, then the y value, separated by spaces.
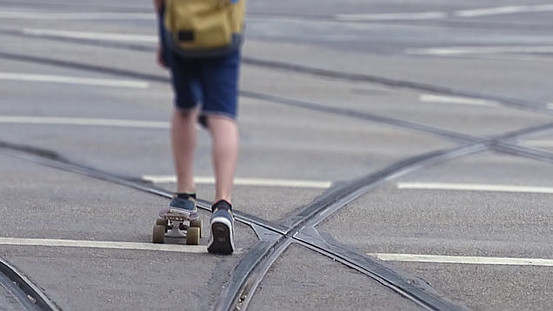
pixel 23 290
pixel 260 259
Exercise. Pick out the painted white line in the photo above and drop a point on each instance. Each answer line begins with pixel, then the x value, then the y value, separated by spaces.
pixel 287 183
pixel 105 245
pixel 481 50
pixel 457 100
pixel 538 143
pixel 465 260
pixel 389 16
pixel 504 10
pixel 74 16
pixel 73 80
pixel 472 187
pixel 83 122
pixel 104 36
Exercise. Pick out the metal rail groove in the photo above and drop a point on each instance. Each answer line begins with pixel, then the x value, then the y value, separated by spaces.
pixel 415 291
pixel 28 295
pixel 312 215
pixel 323 208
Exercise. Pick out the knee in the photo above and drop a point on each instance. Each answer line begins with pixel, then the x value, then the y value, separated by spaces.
pixel 220 121
pixel 189 114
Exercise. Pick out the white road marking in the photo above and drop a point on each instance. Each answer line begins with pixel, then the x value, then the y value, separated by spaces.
pixel 538 143
pixel 504 10
pixel 389 16
pixel 104 36
pixel 83 122
pixel 105 245
pixel 246 182
pixel 75 16
pixel 481 50
pixel 465 260
pixel 457 100
pixel 472 187
pixel 73 80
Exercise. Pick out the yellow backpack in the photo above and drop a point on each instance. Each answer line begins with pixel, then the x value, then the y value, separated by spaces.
pixel 204 27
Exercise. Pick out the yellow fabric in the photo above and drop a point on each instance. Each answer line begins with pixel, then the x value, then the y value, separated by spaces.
pixel 211 22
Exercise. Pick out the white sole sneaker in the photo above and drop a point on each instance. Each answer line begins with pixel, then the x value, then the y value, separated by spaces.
pixel 222 236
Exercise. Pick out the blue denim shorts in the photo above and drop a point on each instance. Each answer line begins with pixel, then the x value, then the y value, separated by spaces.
pixel 210 82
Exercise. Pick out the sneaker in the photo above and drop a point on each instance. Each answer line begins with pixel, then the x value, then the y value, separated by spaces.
pixel 222 229
pixel 180 206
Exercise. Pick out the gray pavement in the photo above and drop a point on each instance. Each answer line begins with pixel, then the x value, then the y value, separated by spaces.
pixel 352 88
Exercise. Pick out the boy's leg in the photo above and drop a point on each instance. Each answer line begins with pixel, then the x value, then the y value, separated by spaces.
pixel 186 78
pixel 220 83
pixel 183 138
pixel 224 135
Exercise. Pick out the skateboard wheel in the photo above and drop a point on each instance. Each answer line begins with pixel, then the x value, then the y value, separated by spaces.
pixel 162 222
pixel 196 223
pixel 193 236
pixel 158 235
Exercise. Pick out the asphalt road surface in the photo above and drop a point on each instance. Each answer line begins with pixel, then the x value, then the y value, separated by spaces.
pixel 395 155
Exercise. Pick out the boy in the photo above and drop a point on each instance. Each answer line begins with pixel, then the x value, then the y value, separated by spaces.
pixel 206 89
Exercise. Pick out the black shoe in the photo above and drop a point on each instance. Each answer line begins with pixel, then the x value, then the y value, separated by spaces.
pixel 222 229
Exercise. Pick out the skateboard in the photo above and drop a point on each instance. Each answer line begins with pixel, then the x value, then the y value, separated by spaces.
pixel 178 227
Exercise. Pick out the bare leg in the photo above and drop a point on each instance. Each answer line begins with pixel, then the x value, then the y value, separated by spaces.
pixel 184 137
pixel 224 135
